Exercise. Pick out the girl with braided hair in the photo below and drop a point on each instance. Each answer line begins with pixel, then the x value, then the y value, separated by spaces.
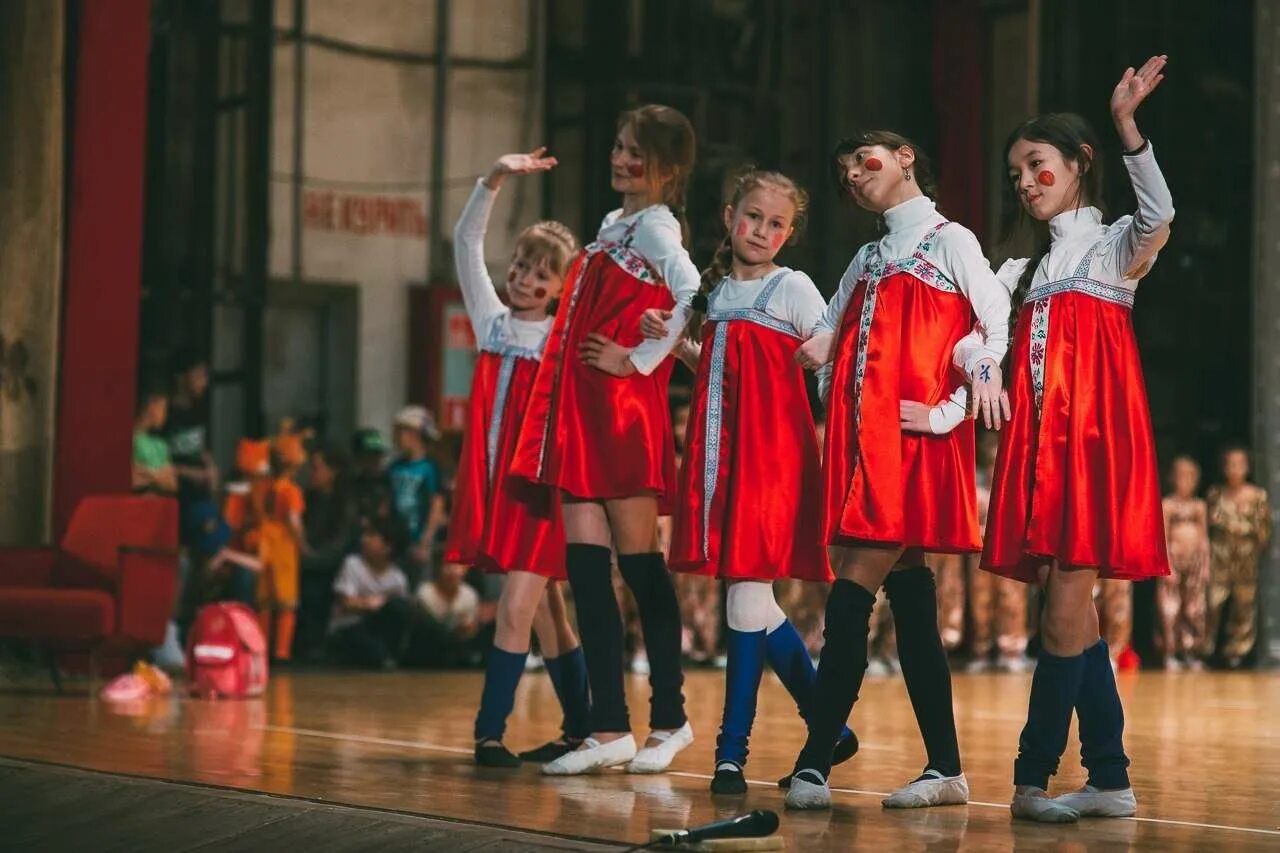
pixel 598 429
pixel 750 486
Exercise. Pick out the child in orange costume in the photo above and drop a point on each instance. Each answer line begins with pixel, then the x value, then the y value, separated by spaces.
pixel 265 514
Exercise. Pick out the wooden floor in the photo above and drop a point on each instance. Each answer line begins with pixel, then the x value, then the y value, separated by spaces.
pixel 1203 747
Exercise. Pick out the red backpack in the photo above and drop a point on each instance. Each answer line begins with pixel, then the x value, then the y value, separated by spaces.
pixel 226 653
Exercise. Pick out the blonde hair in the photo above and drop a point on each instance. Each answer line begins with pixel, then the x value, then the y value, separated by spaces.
pixel 722 261
pixel 549 241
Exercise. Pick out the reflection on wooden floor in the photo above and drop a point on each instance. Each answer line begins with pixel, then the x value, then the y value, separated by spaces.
pixel 1205 749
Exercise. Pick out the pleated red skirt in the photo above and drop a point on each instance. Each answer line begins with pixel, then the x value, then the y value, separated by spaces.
pixel 592 435
pixel 883 486
pixel 497 522
pixel 1076 478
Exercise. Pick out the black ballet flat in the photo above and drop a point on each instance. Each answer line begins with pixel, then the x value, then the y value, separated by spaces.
pixel 549 752
pixel 494 754
pixel 846 748
pixel 729 780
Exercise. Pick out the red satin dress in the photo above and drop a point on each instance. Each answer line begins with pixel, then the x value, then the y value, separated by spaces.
pixel 750 485
pixel 498 523
pixel 1075 479
pixel 885 487
pixel 593 435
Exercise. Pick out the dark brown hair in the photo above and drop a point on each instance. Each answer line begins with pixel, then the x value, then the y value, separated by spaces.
pixel 722 260
pixel 1069 133
pixel 669 145
pixel 923 167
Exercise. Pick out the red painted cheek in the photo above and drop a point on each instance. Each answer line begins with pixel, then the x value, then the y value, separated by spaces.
pixel 1046 178
pixel 872 164
pixel 777 240
pixel 636 170
pixel 539 292
pixel 741 230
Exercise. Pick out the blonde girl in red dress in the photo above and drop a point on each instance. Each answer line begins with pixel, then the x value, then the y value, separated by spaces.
pixel 598 429
pixel 749 503
pixel 899 481
pixel 499 524
pixel 1076 495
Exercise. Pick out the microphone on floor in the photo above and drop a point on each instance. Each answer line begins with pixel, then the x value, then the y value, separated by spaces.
pixel 757 824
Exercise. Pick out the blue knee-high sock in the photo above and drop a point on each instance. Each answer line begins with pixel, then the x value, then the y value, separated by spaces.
pixel 501 675
pixel 791 662
pixel 1101 721
pixel 569 677
pixel 746 651
pixel 1054 689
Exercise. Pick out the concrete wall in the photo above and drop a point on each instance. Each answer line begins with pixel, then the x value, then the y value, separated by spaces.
pixel 31 174
pixel 367 134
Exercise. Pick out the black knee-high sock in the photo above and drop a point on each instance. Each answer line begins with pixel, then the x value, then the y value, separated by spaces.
pixel 650 582
pixel 913 598
pixel 844 663
pixel 1101 719
pixel 600 626
pixel 1054 690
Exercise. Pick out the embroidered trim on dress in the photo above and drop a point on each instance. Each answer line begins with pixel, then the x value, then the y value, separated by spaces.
pixel 499 409
pixel 714 419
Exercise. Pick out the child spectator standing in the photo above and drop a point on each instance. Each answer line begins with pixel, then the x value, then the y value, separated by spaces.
pixel 418 487
pixel 186 430
pixel 371 610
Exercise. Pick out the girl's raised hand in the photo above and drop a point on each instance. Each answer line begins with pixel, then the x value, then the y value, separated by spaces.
pixel 816 351
pixel 520 164
pixel 653 323
pixel 1135 86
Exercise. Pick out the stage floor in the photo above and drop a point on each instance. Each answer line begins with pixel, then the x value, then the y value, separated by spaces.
pixel 1205 749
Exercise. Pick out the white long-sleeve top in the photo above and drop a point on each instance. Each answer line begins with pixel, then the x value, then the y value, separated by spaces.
pixel 795 301
pixel 654 233
pixel 496 330
pixel 958 255
pixel 1126 248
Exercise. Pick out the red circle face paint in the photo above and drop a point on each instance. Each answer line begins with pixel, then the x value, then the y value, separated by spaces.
pixel 872 164
pixel 1046 178
pixel 636 170
pixel 741 230
pixel 539 292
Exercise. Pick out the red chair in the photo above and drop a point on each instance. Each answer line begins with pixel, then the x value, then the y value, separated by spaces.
pixel 108 588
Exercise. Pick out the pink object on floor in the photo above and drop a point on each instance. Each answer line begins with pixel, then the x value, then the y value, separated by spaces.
pixel 125 688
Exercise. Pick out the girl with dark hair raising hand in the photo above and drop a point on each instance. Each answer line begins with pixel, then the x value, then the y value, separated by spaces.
pixel 1076 495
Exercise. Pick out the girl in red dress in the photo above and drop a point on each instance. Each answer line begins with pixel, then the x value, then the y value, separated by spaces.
pixel 501 524
pixel 1075 495
pixel 899 479
pixel 598 429
pixel 750 485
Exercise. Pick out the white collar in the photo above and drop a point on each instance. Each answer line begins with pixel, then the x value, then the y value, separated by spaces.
pixel 1074 223
pixel 910 214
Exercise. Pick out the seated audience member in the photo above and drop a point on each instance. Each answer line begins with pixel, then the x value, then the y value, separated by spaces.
pixel 216 572
pixel 153 470
pixel 449 623
pixel 371 610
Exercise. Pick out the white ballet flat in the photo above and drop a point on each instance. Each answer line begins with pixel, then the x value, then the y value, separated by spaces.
pixel 655 759
pixel 932 789
pixel 1094 802
pixel 592 756
pixel 1029 806
pixel 804 794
